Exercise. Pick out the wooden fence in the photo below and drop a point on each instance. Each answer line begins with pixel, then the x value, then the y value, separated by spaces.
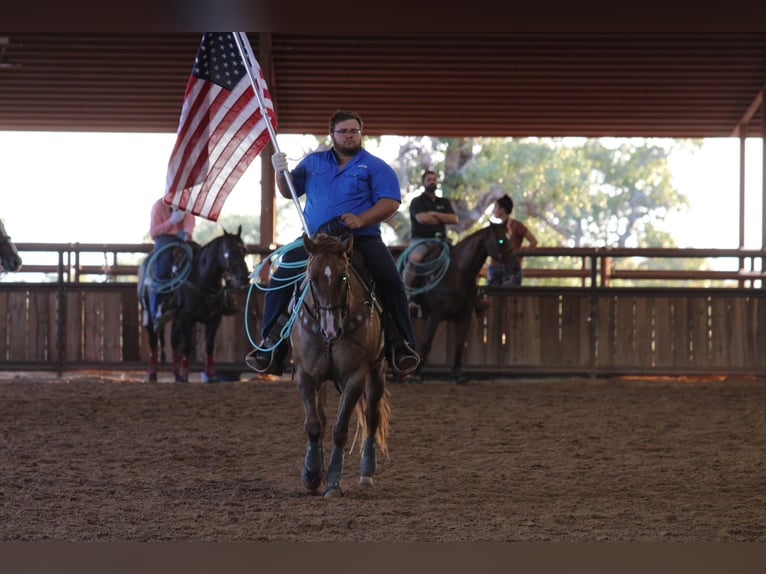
pixel 533 330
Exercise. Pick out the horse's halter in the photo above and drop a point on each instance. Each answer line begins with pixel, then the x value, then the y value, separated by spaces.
pixel 497 247
pixel 229 274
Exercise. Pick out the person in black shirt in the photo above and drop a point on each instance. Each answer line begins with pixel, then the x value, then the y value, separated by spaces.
pixel 429 217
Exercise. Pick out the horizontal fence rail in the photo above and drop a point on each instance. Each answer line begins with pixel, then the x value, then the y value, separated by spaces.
pixel 82 314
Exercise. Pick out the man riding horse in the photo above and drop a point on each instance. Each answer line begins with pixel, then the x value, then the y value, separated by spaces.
pixel 168 227
pixel 349 183
pixel 429 216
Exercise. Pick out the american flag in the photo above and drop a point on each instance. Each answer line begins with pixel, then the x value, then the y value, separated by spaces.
pixel 221 129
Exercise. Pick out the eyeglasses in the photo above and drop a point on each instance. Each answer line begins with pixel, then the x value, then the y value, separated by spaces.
pixel 347 132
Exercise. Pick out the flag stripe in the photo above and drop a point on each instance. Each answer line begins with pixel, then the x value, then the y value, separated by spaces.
pixel 221 129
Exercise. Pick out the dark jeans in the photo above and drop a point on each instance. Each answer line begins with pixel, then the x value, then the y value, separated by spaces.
pixel 497 274
pixel 380 266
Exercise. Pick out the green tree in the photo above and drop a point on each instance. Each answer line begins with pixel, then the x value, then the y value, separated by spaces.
pixel 205 230
pixel 573 192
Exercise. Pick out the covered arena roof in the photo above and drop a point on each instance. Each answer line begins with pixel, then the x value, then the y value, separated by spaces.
pixel 667 84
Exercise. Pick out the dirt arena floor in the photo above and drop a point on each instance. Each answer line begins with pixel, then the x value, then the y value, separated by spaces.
pixel 108 457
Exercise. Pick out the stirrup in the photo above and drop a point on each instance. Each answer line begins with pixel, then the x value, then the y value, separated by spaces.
pixel 404 359
pixel 265 362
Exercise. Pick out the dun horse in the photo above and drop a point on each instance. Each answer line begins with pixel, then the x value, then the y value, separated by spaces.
pixel 9 255
pixel 454 297
pixel 201 298
pixel 338 337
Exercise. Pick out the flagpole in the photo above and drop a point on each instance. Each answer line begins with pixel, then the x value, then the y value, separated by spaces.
pixel 264 113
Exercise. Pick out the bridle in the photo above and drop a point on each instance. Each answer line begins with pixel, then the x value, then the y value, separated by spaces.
pixel 225 249
pixel 342 308
pixel 497 247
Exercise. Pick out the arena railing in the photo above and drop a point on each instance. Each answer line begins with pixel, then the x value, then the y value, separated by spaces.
pixel 543 266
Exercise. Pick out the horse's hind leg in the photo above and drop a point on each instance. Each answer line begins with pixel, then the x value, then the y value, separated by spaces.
pixel 348 400
pixel 373 419
pixel 368 464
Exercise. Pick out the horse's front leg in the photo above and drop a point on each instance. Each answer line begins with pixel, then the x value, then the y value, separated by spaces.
pixel 181 342
pixel 461 333
pixel 431 326
pixel 348 400
pixel 153 357
pixel 313 406
pixel 209 374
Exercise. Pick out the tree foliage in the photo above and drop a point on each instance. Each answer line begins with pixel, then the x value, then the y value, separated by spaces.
pixel 205 231
pixel 570 192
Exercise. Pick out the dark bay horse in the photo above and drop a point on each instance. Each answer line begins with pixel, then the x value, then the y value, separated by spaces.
pixel 338 336
pixel 454 297
pixel 201 298
pixel 10 260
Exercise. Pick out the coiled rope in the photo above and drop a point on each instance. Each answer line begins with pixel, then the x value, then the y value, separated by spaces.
pixel 181 272
pixel 435 268
pixel 274 260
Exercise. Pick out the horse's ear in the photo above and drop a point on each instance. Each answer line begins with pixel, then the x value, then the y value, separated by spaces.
pixel 347 243
pixel 308 244
pixel 239 230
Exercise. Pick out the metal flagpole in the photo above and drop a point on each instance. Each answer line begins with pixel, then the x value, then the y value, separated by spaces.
pixel 246 52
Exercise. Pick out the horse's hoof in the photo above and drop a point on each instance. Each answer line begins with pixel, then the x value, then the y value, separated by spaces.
pixel 209 378
pixel 311 480
pixel 182 379
pixel 333 492
pixel 152 377
pixel 366 481
pixel 461 381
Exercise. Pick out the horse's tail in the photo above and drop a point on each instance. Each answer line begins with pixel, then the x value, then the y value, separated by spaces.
pixel 384 421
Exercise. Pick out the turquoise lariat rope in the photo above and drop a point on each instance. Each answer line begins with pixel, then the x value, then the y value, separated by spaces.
pixel 273 260
pixel 434 268
pixel 169 284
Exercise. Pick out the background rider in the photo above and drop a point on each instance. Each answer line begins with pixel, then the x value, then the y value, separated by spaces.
pixel 429 217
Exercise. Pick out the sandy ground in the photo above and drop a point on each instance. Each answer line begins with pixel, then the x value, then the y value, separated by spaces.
pixel 109 457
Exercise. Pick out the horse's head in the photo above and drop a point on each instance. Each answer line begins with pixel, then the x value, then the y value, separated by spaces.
pixel 498 244
pixel 327 273
pixel 10 260
pixel 231 258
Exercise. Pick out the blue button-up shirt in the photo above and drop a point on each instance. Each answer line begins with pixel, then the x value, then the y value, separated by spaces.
pixel 331 190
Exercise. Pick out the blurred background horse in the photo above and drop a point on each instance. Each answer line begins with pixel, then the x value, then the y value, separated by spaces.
pixel 199 297
pixel 10 260
pixel 451 292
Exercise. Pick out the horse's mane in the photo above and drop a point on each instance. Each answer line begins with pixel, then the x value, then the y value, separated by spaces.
pixel 324 243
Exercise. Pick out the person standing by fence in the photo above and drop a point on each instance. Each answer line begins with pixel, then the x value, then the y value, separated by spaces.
pixel 496 273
